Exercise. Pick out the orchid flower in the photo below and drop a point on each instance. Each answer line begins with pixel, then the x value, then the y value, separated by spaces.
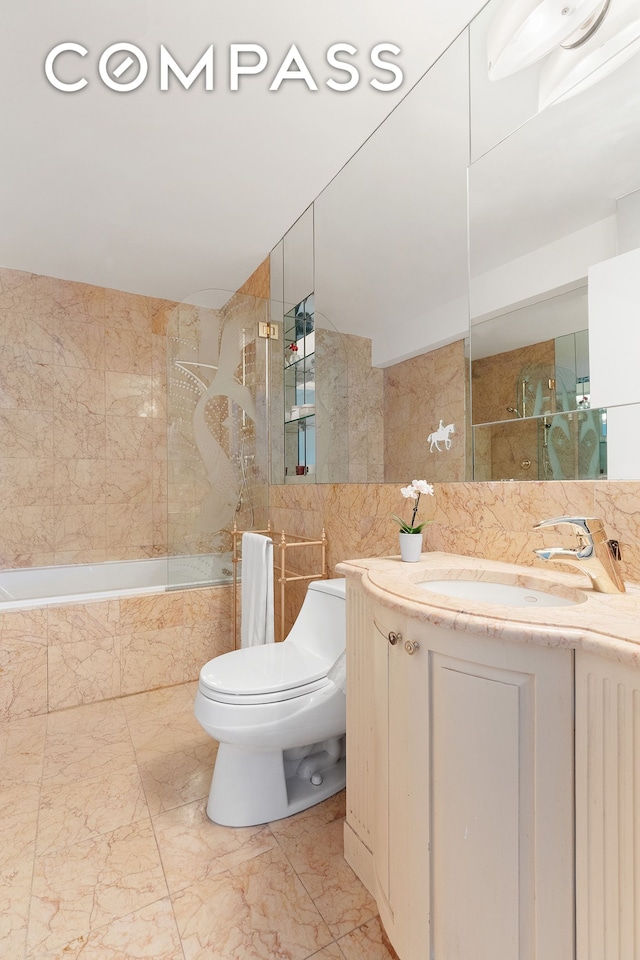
pixel 413 492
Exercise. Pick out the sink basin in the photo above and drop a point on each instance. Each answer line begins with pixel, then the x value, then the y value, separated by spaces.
pixel 505 594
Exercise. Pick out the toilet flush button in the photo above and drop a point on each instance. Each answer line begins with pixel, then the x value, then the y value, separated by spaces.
pixel 316 779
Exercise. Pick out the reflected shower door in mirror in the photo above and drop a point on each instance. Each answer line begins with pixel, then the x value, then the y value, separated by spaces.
pixel 549 205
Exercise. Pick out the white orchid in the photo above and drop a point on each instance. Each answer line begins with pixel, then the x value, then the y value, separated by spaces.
pixel 413 492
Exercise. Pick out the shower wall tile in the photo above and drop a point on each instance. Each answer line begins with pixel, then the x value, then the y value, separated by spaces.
pixel 127 523
pixel 128 350
pixel 78 390
pixel 78 482
pixel 129 482
pixel 26 433
pixel 24 384
pixel 129 438
pixel 26 483
pixel 79 344
pixel 80 527
pixel 26 535
pixel 69 354
pixel 79 436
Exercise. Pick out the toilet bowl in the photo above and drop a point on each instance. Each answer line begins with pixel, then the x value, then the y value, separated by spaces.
pixel 279 718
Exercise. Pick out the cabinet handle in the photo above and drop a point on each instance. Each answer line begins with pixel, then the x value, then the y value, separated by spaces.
pixel 411 646
pixel 394 637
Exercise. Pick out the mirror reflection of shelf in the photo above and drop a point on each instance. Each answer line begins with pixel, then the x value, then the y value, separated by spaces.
pixel 299 392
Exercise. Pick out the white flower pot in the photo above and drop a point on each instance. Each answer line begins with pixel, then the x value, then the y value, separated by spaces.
pixel 410 546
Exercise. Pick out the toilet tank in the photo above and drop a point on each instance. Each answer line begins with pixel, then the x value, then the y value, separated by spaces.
pixel 321 625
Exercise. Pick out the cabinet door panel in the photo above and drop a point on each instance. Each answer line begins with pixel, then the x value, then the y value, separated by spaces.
pixel 482 737
pixel 607 809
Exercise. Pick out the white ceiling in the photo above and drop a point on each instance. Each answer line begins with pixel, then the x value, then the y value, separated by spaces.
pixel 168 194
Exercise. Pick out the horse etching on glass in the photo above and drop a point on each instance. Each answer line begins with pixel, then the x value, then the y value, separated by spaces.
pixel 441 435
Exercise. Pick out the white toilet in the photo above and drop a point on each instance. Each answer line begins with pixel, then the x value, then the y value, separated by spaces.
pixel 280 720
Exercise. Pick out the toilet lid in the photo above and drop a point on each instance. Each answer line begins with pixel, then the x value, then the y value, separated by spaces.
pixel 264 671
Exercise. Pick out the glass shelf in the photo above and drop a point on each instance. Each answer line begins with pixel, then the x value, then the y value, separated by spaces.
pixel 299 392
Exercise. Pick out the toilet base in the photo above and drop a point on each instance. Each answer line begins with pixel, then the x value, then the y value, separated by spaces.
pixel 249 787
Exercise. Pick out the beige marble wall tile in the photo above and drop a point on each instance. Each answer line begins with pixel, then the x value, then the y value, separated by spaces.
pixel 80 527
pixel 207 605
pixel 130 311
pixel 25 482
pixel 78 390
pixel 154 612
pixel 26 534
pixel 128 351
pixel 22 744
pixel 79 344
pixel 24 383
pixel 203 642
pixel 129 482
pixel 83 672
pixel 23 666
pixel 129 395
pixel 130 438
pixel 128 525
pixel 152 658
pixel 57 300
pixel 26 433
pixel 79 436
pixel 78 482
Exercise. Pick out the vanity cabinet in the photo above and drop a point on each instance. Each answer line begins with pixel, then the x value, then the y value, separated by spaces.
pixel 459 786
pixel 607 808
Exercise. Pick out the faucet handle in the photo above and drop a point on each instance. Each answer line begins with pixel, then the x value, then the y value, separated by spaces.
pixel 587 527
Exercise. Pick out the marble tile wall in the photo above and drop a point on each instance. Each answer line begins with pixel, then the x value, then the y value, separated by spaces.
pixel 492 520
pixel 82 422
pixel 495 379
pixel 63 656
pixel 418 394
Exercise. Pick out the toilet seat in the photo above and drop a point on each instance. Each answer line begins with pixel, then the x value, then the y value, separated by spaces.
pixel 263 674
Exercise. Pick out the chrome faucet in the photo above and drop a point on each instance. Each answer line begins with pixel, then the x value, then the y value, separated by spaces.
pixel 597 556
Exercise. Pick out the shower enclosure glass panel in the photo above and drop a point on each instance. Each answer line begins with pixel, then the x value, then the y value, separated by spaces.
pixel 217 433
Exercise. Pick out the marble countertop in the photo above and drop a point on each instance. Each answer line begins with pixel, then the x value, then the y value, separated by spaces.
pixel 605 624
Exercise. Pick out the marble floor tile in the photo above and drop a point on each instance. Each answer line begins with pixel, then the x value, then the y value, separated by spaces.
pixel 257 911
pixel 173 779
pixel 193 848
pixel 148 934
pixel 313 843
pixel 22 750
pixel 106 852
pixel 89 884
pixel 72 812
pixel 87 741
pixel 368 942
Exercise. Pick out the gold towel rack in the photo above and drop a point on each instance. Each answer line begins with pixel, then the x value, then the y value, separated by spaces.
pixel 283 542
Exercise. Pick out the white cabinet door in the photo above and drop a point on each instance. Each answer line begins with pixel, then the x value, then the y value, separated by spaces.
pixel 473 836
pixel 501 800
pixel 607 809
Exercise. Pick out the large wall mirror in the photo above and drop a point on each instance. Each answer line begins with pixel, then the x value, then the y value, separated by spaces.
pixel 467 286
pixel 390 297
pixel 551 209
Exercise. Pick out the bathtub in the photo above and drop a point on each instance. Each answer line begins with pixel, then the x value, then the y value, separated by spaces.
pixel 83 633
pixel 76 583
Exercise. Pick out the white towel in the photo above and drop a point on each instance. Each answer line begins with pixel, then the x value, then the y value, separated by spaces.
pixel 257 590
pixel 338 672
